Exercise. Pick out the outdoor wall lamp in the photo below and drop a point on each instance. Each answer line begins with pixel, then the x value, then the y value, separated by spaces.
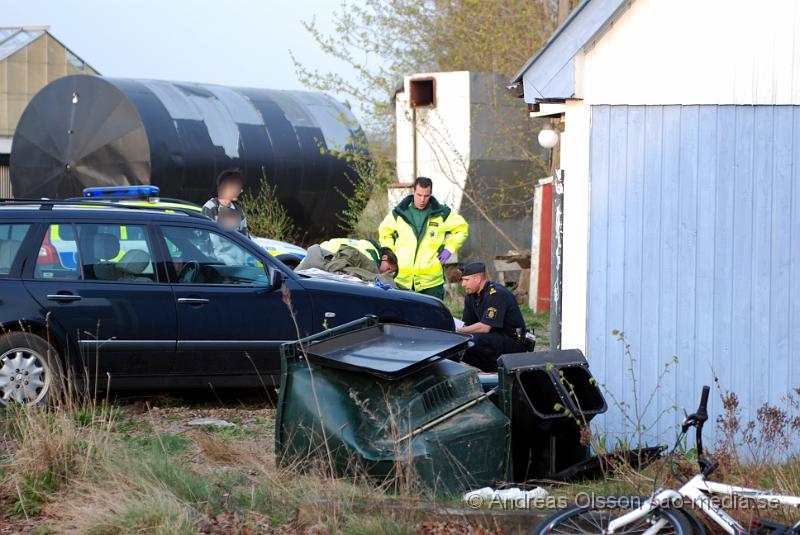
pixel 548 138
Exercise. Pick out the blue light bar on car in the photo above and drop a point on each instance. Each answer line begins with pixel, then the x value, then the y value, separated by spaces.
pixel 123 192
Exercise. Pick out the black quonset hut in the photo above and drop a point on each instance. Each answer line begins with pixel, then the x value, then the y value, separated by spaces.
pixel 81 131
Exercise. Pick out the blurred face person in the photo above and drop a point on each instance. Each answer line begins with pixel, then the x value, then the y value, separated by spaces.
pixel 473 283
pixel 422 196
pixel 388 262
pixel 228 219
pixel 230 189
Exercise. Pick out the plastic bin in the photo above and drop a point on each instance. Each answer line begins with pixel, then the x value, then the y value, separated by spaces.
pixel 393 408
pixel 547 396
pixel 584 393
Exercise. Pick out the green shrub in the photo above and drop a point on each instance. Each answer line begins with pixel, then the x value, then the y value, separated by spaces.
pixel 266 216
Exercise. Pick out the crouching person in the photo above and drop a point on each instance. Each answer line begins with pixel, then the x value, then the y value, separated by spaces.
pixel 493 318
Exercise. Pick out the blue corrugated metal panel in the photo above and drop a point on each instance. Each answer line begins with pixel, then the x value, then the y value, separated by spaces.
pixel 648 342
pixel 694 252
pixel 794 245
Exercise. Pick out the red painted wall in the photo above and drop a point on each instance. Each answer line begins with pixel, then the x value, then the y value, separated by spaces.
pixel 545 250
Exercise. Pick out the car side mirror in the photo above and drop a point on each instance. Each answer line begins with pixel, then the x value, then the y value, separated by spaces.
pixel 277 279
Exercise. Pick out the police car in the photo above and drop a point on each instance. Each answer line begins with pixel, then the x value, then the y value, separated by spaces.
pixel 289 254
pixel 142 297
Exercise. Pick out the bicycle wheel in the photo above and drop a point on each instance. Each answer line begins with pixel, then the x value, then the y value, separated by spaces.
pixel 579 520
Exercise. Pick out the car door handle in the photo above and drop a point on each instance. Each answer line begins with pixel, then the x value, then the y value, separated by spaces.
pixel 192 301
pixel 64 298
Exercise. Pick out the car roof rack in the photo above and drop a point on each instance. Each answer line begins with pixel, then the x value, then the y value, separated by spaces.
pixel 48 204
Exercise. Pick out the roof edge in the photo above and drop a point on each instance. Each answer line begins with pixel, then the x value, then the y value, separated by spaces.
pixel 68 49
pixel 556 34
pixel 45 31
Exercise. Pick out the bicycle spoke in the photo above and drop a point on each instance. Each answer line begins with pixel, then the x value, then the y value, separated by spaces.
pixel 594 522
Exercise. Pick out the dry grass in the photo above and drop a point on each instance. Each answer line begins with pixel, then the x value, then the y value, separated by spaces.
pixel 46 449
pixel 96 468
pixel 150 509
pixel 217 450
pixel 96 471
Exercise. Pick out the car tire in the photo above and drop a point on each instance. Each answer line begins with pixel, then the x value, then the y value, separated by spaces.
pixel 30 370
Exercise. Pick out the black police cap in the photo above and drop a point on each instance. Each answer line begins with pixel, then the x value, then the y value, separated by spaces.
pixel 473 268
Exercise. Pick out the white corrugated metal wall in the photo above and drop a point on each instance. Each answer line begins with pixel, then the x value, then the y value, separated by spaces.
pixel 690 52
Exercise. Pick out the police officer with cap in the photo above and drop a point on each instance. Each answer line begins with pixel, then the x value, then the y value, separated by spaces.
pixel 493 318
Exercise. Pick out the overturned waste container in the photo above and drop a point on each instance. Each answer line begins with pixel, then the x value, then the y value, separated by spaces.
pixel 550 397
pixel 391 402
pixel 386 401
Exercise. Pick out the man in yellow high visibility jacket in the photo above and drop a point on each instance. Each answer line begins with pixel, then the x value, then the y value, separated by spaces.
pixel 423 234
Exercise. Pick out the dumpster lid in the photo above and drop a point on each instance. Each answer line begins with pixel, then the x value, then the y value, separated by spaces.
pixel 520 361
pixel 387 350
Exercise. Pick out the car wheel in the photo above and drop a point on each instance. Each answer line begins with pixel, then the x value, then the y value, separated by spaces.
pixel 30 369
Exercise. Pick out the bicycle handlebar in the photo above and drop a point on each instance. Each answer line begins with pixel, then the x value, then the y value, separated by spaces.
pixel 696 420
pixel 702 410
pixel 699 417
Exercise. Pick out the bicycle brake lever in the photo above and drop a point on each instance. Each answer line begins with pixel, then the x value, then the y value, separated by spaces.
pixel 685 424
pixel 688 423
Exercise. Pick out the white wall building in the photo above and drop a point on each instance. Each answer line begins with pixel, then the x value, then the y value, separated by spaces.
pixel 681 154
pixel 465 132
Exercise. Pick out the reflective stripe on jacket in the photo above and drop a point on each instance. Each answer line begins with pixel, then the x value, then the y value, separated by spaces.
pixel 417 256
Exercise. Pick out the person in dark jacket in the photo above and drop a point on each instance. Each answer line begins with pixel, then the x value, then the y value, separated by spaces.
pixel 493 318
pixel 229 186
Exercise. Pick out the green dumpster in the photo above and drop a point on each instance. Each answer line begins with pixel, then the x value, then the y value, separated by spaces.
pixel 386 401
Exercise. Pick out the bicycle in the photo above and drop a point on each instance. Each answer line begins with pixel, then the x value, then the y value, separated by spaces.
pixel 657 514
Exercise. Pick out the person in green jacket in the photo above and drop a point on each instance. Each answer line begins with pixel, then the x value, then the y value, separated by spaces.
pixel 369 248
pixel 424 234
pixel 353 257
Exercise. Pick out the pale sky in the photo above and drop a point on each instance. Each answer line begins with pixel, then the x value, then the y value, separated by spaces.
pixel 243 43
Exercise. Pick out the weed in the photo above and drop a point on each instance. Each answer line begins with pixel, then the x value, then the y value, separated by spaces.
pixel 636 414
pixel 127 426
pixel 372 174
pixel 167 443
pixel 756 450
pixel 266 215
